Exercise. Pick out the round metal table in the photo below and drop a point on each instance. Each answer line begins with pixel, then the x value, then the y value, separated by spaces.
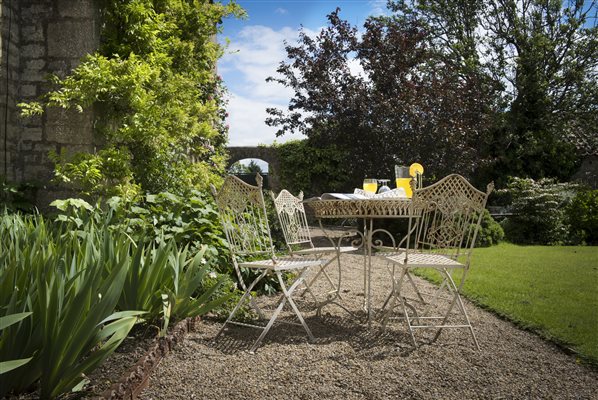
pixel 367 210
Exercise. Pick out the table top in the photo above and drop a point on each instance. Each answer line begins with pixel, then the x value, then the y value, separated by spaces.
pixel 362 208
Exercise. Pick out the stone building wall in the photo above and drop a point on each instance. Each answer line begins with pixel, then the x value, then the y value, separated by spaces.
pixel 47 37
pixel 9 77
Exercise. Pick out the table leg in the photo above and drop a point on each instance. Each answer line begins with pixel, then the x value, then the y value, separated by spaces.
pixel 333 298
pixel 368 251
pixel 365 266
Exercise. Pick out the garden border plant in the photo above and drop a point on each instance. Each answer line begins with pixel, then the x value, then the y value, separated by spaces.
pixel 82 268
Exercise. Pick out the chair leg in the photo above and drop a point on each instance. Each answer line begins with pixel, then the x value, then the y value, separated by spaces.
pixel 395 295
pixel 333 295
pixel 286 296
pixel 457 300
pixel 320 272
pixel 408 320
pixel 240 302
pixel 435 297
pixel 335 287
pixel 419 295
pixel 323 271
pixel 392 274
pixel 252 301
pixel 404 305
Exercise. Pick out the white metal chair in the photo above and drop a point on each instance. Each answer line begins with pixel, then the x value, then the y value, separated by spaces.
pixel 243 217
pixel 443 225
pixel 293 221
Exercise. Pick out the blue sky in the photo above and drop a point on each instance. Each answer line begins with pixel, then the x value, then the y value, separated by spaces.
pixel 257 47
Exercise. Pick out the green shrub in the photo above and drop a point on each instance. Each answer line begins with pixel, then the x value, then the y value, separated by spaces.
pixel 311 169
pixel 490 232
pixel 190 220
pixel 582 215
pixel 155 222
pixel 539 211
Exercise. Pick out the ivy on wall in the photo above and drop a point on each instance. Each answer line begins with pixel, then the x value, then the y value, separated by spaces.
pixel 157 99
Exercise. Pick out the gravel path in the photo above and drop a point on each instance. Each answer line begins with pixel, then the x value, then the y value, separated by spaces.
pixel 350 361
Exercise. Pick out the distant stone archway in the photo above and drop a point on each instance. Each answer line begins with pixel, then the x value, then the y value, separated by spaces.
pixel 268 154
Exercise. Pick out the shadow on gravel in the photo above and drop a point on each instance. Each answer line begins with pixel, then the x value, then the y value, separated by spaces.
pixel 368 343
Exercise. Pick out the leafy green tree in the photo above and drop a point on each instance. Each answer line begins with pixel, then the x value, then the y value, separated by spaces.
pixel 156 95
pixel 237 168
pixel 543 55
pixel 582 215
pixel 251 168
pixel 254 168
pixel 539 211
pixel 406 105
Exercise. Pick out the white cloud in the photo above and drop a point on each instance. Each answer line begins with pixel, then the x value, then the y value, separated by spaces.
pixel 378 7
pixel 254 54
pixel 246 121
pixel 356 68
pixel 281 10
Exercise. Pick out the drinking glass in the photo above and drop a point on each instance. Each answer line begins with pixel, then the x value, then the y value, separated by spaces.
pixel 404 179
pixel 383 185
pixel 370 185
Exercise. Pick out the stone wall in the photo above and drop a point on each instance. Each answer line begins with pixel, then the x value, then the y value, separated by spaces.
pixel 47 37
pixel 9 77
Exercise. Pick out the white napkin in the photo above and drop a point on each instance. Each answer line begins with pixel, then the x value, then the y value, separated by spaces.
pixel 393 193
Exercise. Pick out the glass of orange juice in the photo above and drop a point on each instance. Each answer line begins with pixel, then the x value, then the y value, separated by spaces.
pixel 370 185
pixel 404 179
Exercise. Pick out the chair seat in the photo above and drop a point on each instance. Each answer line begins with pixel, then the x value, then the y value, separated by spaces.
pixel 324 250
pixel 283 264
pixel 418 260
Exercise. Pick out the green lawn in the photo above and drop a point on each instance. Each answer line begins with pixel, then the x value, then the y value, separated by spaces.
pixel 551 290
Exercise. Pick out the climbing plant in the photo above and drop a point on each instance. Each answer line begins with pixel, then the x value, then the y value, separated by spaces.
pixel 157 99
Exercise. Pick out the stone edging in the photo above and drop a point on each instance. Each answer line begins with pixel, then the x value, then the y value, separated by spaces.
pixel 136 378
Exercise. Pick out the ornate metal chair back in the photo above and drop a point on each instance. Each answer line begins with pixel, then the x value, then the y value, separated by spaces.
pixel 292 217
pixel 243 216
pixel 446 216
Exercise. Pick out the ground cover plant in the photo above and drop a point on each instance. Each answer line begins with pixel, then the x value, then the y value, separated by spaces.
pixel 548 289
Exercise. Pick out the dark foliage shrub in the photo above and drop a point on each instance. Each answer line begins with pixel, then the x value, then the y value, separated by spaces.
pixel 582 216
pixel 313 169
pixel 17 197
